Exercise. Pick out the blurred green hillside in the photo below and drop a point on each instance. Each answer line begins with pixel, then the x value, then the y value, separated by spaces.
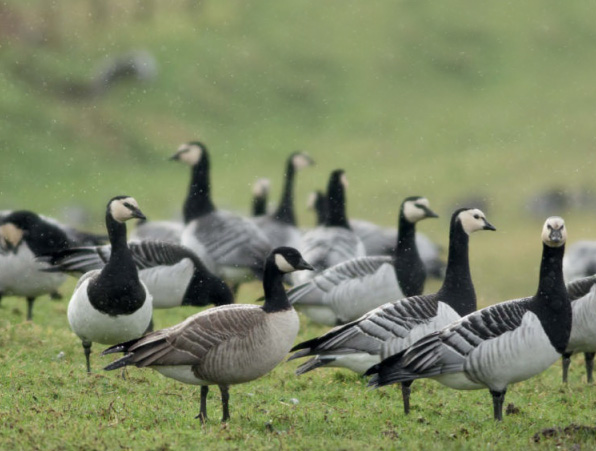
pixel 492 101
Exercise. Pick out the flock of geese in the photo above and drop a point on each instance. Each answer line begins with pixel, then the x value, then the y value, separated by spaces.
pixel 365 280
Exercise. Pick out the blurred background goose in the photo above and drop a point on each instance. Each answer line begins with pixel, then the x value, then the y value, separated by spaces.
pixel 280 227
pixel 379 240
pixel 334 241
pixel 231 246
pixel 112 305
pixel 260 196
pixel 173 274
pixel 499 345
pixel 24 236
pixel 348 290
pixel 225 345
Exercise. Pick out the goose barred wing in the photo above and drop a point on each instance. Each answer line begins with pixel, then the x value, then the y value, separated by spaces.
pixel 190 342
pixel 384 326
pixel 231 240
pixel 446 351
pixel 580 287
pixel 78 260
pixel 324 247
pixel 327 282
pixel 149 254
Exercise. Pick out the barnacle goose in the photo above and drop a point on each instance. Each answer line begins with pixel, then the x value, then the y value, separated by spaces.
pixel 348 290
pixel 498 345
pixel 392 327
pixel 582 296
pixel 172 273
pixel 112 305
pixel 333 242
pixel 260 194
pixel 225 345
pixel 379 240
pixel 231 246
pixel 24 236
pixel 280 227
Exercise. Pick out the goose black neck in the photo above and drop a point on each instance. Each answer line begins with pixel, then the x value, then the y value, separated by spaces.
pixel 320 206
pixel 285 210
pixel 458 289
pixel 259 205
pixel 276 299
pixel 198 201
pixel 336 205
pixel 117 290
pixel 551 303
pixel 408 265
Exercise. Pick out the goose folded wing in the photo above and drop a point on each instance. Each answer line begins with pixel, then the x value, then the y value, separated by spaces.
pixel 150 254
pixel 389 322
pixel 189 342
pixel 77 260
pixel 445 351
pixel 233 240
pixel 334 278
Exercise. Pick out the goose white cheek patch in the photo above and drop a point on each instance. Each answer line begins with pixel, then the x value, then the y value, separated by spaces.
pixel 191 156
pixel 282 264
pixel 9 233
pixel 300 161
pixel 119 211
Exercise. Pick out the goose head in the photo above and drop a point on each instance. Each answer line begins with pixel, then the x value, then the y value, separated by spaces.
pixel 123 208
pixel 190 153
pixel 416 208
pixel 554 233
pixel 261 187
pixel 301 160
pixel 15 227
pixel 472 220
pixel 288 259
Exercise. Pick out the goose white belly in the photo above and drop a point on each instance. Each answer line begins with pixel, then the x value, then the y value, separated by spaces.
pixel 168 284
pixel 242 359
pixel 92 325
pixel 21 274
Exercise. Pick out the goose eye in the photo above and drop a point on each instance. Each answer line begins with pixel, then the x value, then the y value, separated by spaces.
pixel 476 216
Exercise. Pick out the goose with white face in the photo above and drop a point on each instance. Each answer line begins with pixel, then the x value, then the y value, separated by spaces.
pixel 10 237
pixel 554 233
pixel 189 153
pixel 417 209
pixel 301 160
pixel 344 181
pixel 124 208
pixel 288 259
pixel 261 187
pixel 473 220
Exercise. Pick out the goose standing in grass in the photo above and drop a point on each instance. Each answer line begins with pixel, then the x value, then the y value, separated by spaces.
pixel 348 290
pixel 392 327
pixel 583 325
pixel 24 236
pixel 498 345
pixel 280 227
pixel 260 195
pixel 173 274
pixel 334 242
pixel 379 240
pixel 112 305
pixel 225 345
pixel 231 246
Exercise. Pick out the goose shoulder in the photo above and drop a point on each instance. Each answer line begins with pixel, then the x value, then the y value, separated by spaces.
pixel 583 332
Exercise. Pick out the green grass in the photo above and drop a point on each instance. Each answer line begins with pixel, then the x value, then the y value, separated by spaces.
pixel 414 97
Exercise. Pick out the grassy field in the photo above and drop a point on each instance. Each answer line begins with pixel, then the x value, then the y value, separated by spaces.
pixel 458 101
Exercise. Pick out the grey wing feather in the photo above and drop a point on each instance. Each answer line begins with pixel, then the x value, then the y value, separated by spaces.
pixel 312 292
pixel 190 341
pixel 580 287
pixel 149 254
